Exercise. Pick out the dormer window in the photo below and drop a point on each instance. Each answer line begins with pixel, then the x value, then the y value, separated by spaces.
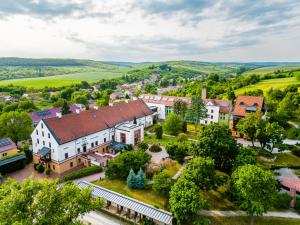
pixel 241 103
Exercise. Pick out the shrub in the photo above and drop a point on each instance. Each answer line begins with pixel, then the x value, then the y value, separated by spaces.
pixel 296 151
pixel 155 148
pixel 293 133
pixel 178 151
pixel 35 166
pixel 40 168
pixel 158 131
pixel 82 173
pixel 48 171
pixel 282 201
pixel 143 146
pixel 182 137
pixel 297 205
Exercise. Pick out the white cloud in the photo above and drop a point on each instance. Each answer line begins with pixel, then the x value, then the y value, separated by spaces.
pixel 151 30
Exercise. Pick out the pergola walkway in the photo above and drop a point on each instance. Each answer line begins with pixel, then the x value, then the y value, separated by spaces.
pixel 129 207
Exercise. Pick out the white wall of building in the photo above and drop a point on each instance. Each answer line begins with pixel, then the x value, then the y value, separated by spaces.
pixel 213 113
pixel 161 110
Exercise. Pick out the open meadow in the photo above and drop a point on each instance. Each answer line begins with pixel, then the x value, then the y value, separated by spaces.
pixel 62 80
pixel 265 85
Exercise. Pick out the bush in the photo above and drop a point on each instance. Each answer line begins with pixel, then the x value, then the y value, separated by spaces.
pixel 143 146
pixel 296 151
pixel 40 168
pixel 155 148
pixel 293 133
pixel 158 131
pixel 182 137
pixel 297 205
pixel 282 201
pixel 35 166
pixel 48 171
pixel 82 173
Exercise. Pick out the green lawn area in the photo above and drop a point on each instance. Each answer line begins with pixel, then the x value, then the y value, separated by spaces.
pixel 164 141
pixel 282 160
pixel 258 221
pixel 148 196
pixel 218 199
pixel 265 85
pixel 62 80
pixel 172 170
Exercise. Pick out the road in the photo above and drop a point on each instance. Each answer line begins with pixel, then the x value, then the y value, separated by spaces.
pixel 99 218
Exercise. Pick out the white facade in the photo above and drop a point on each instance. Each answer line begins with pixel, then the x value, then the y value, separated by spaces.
pixel 42 137
pixel 213 113
pixel 161 109
pixel 132 133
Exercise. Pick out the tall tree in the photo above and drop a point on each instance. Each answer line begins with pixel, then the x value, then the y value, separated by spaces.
pixel 173 124
pixel 216 142
pixel 131 179
pixel 196 111
pixel 254 189
pixel 248 125
pixel 65 109
pixel 185 200
pixel 140 177
pixel 201 171
pixel 180 108
pixel 16 125
pixel 41 202
pixel 276 135
pixel 162 183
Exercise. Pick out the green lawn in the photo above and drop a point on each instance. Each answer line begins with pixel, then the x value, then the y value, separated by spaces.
pixel 148 196
pixel 282 160
pixel 265 85
pixel 62 80
pixel 172 170
pixel 151 139
pixel 218 199
pixel 258 221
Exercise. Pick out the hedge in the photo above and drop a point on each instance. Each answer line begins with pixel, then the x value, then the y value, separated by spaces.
pixel 82 173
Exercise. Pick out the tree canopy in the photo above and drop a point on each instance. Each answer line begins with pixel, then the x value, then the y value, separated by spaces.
pixel 15 125
pixel 173 124
pixel 42 203
pixel 216 142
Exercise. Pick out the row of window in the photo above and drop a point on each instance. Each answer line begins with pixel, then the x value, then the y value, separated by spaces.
pixel 43 134
pixel 38 141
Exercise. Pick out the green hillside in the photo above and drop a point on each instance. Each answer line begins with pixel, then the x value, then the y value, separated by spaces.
pixel 265 85
pixel 271 69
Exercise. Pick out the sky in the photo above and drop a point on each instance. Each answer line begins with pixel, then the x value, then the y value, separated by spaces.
pixel 152 30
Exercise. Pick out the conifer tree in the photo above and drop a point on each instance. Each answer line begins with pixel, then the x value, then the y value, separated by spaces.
pixel 131 179
pixel 140 179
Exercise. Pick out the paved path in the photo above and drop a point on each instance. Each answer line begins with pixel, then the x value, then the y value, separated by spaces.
pixel 288 214
pixel 158 156
pixel 100 218
pixel 179 172
pixel 90 178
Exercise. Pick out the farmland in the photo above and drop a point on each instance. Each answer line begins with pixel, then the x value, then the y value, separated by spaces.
pixel 265 85
pixel 271 69
pixel 62 80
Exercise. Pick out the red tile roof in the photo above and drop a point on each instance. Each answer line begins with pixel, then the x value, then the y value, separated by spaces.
pixel 225 106
pixel 73 126
pixel 162 99
pixel 244 102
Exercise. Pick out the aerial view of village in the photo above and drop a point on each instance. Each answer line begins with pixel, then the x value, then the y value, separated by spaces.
pixel 149 112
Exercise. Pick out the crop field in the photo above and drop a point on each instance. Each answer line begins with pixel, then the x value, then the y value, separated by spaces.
pixel 265 85
pixel 62 80
pixel 271 69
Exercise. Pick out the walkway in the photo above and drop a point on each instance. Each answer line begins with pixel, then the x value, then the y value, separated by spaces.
pixel 90 178
pixel 179 172
pixel 100 218
pixel 288 214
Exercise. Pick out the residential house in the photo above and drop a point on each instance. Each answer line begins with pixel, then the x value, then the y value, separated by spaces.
pixel 243 106
pixel 217 110
pixel 50 113
pixel 167 89
pixel 61 142
pixel 9 154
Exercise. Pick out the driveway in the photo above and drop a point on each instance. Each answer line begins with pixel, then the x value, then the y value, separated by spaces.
pixel 90 178
pixel 28 171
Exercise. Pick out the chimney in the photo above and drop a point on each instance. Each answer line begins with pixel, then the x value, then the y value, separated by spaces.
pixel 96 107
pixel 203 93
pixel 58 114
pixel 77 111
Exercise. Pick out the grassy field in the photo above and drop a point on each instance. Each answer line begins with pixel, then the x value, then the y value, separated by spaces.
pixel 62 80
pixel 265 85
pixel 151 139
pixel 270 69
pixel 218 199
pixel 148 196
pixel 258 221
pixel 172 170
pixel 282 160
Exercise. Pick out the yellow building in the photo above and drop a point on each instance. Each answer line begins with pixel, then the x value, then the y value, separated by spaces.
pixel 7 148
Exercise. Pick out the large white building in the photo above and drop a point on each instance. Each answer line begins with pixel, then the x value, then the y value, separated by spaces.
pixel 217 110
pixel 59 142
